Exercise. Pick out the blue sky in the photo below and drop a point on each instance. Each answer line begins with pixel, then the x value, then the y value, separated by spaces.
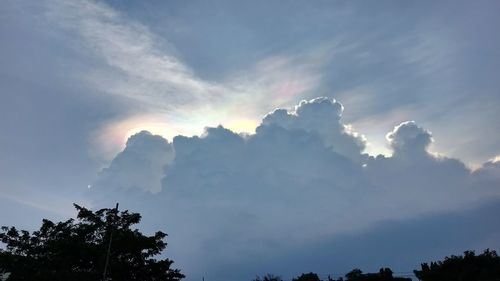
pixel 81 82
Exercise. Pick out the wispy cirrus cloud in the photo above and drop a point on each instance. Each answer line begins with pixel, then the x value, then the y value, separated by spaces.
pixel 138 67
pixel 143 70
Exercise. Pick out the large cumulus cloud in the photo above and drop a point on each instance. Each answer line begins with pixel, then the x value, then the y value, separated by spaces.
pixel 230 198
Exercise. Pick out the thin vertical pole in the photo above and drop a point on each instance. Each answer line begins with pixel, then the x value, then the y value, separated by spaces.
pixel 109 247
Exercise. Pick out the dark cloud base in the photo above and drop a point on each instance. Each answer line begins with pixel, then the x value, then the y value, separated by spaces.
pixel 399 244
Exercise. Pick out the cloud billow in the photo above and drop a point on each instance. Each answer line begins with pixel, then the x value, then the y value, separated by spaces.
pixel 409 138
pixel 139 165
pixel 416 178
pixel 321 116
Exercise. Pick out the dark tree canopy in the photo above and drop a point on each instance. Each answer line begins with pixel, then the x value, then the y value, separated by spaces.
pixel 307 277
pixel 469 267
pixel 384 274
pixel 76 250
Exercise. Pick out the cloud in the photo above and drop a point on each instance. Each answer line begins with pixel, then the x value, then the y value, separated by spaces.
pixel 412 174
pixel 140 165
pixel 399 244
pixel 147 75
pixel 258 176
pixel 321 116
pixel 308 154
pixel 409 138
pixel 138 68
pixel 489 174
pixel 302 176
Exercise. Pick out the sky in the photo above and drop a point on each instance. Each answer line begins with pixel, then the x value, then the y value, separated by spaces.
pixel 262 136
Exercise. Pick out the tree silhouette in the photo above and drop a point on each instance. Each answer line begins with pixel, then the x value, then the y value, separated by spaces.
pixel 469 267
pixel 76 250
pixel 384 274
pixel 355 274
pixel 268 277
pixel 307 277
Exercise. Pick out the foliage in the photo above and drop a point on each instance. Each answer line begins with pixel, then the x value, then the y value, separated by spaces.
pixel 384 274
pixel 76 250
pixel 268 277
pixel 307 277
pixel 469 267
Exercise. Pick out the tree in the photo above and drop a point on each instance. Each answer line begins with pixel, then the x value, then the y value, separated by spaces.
pixel 354 274
pixel 311 276
pixel 469 267
pixel 76 250
pixel 384 274
pixel 268 277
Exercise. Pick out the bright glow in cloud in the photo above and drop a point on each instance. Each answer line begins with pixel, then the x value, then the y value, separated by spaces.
pixel 168 98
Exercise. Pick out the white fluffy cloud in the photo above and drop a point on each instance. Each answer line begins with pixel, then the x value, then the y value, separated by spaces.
pixel 321 116
pixel 301 176
pixel 409 138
